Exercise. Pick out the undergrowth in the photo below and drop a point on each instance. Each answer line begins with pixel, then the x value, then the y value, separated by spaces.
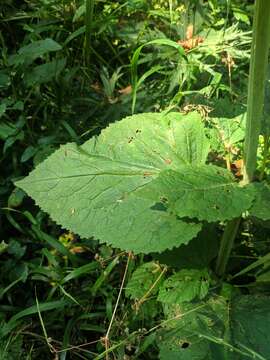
pixel 69 70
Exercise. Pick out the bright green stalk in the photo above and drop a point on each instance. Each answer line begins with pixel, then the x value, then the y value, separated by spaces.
pixel 89 14
pixel 255 102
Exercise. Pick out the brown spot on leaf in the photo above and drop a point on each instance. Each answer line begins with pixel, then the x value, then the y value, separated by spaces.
pixel 168 161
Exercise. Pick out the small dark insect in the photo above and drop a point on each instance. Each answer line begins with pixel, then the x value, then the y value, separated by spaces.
pixel 130 139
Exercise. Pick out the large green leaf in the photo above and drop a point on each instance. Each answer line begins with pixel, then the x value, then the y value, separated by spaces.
pixel 181 336
pixel 219 328
pixel 91 189
pixel 251 326
pixel 197 254
pixel 204 192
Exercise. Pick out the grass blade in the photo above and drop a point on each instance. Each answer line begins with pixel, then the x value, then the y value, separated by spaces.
pixel 135 59
pixel 89 14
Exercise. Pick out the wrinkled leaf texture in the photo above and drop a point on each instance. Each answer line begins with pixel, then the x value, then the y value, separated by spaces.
pixel 109 187
pixel 218 328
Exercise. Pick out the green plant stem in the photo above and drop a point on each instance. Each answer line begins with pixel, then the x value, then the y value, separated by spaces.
pixel 256 86
pixel 266 146
pixel 226 245
pixel 255 102
pixel 89 14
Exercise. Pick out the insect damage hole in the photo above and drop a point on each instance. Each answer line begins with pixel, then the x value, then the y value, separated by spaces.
pixel 163 199
pixel 185 345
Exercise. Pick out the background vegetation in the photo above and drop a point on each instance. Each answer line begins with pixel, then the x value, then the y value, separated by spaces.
pixel 67 70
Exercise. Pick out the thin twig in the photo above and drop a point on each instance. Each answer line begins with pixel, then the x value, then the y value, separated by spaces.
pixel 106 338
pixel 145 296
pixel 72 347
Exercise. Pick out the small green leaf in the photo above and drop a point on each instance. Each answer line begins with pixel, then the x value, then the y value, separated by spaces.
pixel 143 278
pixel 79 13
pixel 16 249
pixel 240 15
pixel 3 108
pixel 3 247
pixel 230 130
pixel 28 153
pixel 186 285
pixel 44 73
pixel 6 130
pixel 83 270
pixel 46 306
pixel 16 198
pixel 261 205
pixel 34 50
pixel 4 79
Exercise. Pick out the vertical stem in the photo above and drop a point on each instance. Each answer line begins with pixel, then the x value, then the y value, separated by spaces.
pixel 226 245
pixel 89 14
pixel 255 102
pixel 266 146
pixel 256 86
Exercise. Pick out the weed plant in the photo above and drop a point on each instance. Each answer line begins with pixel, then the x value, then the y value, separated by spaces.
pixel 139 268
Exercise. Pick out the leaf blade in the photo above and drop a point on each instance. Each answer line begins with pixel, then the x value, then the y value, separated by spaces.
pixel 205 192
pixel 91 189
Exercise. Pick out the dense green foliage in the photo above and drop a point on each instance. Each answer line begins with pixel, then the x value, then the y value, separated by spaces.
pixel 116 256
